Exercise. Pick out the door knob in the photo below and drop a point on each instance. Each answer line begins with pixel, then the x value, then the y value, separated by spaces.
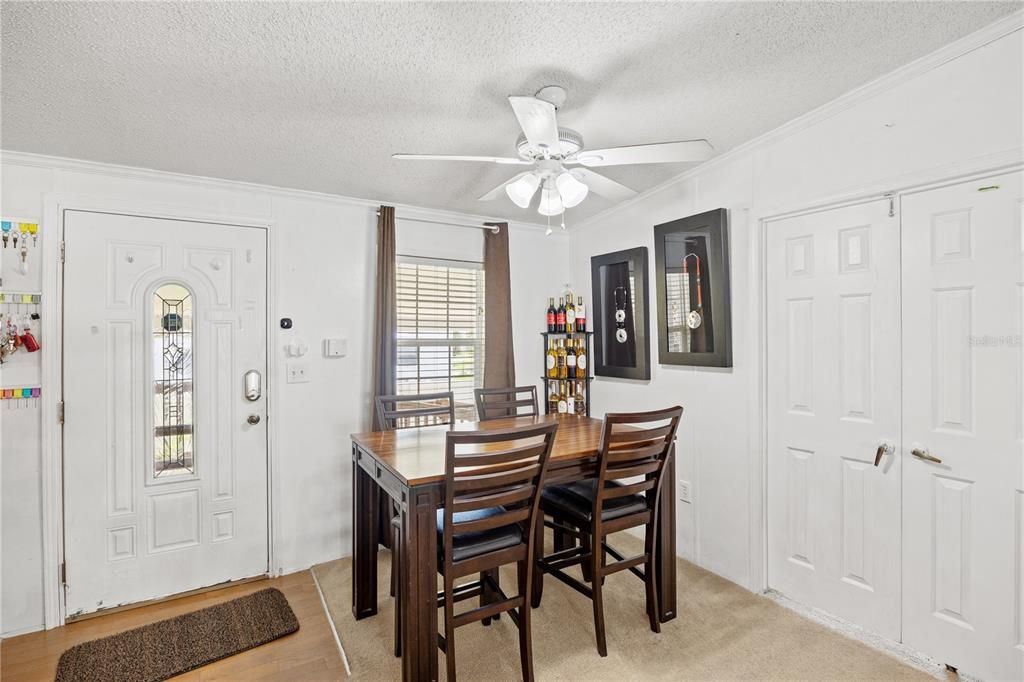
pixel 921 453
pixel 884 448
pixel 253 419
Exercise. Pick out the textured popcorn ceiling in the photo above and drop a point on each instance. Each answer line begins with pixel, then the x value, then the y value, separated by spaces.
pixel 318 96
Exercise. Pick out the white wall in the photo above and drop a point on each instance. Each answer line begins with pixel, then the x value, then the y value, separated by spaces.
pixel 944 114
pixel 325 258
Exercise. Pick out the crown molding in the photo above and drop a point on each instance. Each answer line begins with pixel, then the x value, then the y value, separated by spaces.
pixel 1001 28
pixel 111 170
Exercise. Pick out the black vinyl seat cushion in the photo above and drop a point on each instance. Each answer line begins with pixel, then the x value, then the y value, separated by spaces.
pixel 576 500
pixel 469 545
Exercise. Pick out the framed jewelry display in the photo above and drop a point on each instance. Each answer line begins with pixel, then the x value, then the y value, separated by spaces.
pixel 619 302
pixel 691 261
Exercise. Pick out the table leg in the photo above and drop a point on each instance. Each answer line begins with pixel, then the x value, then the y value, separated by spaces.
pixel 364 539
pixel 419 593
pixel 665 545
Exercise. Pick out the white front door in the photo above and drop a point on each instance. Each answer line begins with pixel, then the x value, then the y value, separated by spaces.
pixel 963 404
pixel 165 459
pixel 832 398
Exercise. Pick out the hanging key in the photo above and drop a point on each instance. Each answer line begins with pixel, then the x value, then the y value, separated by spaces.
pixel 5 226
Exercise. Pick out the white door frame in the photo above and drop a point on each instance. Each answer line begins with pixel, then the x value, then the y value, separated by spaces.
pixel 54 207
pixel 895 188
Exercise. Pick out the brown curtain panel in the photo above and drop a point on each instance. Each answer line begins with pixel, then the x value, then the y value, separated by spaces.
pixel 385 349
pixel 499 360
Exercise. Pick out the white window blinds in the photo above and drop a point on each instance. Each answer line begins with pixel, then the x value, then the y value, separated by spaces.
pixel 440 320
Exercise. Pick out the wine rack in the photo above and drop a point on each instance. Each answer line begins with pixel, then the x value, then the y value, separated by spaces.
pixel 550 337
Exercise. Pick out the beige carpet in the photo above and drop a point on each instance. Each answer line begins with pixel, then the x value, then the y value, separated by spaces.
pixel 723 632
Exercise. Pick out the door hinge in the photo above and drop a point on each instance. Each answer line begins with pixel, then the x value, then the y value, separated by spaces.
pixel 892 204
pixel 60 412
pixel 63 573
pixel 62 251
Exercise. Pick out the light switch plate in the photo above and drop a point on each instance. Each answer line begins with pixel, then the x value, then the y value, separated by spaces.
pixel 685 491
pixel 297 372
pixel 335 348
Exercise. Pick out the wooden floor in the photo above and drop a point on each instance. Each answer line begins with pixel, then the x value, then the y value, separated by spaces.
pixel 309 654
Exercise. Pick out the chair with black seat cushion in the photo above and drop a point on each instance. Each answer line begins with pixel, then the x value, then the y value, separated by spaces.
pixel 493 480
pixel 498 403
pixel 631 465
pixel 403 412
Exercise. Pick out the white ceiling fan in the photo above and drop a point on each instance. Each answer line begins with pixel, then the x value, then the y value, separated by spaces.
pixel 560 164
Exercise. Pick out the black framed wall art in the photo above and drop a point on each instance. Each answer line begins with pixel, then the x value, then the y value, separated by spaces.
pixel 619 296
pixel 692 273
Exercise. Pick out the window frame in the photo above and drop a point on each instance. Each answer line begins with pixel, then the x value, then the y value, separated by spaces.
pixel 465 405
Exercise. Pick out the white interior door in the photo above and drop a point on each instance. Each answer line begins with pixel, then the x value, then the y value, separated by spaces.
pixel 963 404
pixel 832 398
pixel 165 473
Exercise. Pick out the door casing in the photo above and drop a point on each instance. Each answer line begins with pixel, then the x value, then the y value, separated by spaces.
pixel 55 207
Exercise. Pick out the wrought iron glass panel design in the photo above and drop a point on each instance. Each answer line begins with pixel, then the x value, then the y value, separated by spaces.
pixel 173 412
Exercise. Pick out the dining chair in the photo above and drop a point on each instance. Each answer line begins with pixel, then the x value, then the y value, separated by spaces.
pixel 633 445
pixel 393 412
pixel 492 490
pixel 498 403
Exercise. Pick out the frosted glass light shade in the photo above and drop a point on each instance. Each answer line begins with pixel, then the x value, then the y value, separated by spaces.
pixel 572 190
pixel 550 202
pixel 521 191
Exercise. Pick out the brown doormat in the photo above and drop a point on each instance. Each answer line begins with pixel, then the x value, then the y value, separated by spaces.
pixel 174 646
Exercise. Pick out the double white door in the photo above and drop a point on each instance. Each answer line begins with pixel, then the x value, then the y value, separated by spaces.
pixel 165 446
pixel 900 337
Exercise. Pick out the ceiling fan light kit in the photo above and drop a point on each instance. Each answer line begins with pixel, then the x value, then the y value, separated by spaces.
pixel 521 191
pixel 572 191
pixel 549 149
pixel 550 200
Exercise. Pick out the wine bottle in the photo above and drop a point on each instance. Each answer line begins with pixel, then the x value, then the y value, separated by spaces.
pixel 560 316
pixel 552 361
pixel 581 402
pixel 553 398
pixel 570 359
pixel 563 406
pixel 570 400
pixel 563 372
pixel 570 315
pixel 581 361
pixel 581 316
pixel 552 313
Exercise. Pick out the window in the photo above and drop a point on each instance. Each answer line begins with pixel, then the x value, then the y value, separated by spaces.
pixel 441 329
pixel 172 381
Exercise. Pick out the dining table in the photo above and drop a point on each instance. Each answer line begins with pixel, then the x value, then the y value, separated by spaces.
pixel 408 465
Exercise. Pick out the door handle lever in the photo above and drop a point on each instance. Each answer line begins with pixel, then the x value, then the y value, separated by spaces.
pixel 883 448
pixel 921 453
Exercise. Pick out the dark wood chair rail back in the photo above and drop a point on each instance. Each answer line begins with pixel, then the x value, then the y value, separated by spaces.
pixel 640 450
pixel 499 403
pixel 496 476
pixel 392 416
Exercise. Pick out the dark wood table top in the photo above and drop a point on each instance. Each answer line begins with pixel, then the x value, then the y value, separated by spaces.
pixel 417 455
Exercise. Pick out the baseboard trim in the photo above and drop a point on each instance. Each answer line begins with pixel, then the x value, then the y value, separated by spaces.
pixel 898 650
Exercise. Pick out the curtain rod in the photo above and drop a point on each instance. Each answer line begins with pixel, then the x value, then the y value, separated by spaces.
pixel 493 228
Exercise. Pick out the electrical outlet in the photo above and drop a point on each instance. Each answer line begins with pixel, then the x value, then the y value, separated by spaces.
pixel 685 491
pixel 297 372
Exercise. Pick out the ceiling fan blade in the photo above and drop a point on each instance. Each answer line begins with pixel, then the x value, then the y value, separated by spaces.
pixel 663 152
pixel 599 184
pixel 500 189
pixel 505 160
pixel 537 119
